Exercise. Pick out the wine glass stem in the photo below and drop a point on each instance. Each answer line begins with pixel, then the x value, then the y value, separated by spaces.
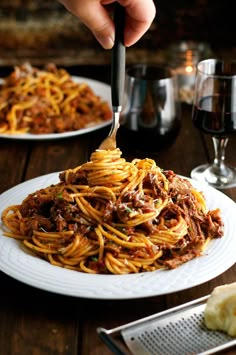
pixel 219 159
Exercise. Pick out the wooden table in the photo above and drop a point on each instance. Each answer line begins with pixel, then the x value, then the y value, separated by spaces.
pixel 37 322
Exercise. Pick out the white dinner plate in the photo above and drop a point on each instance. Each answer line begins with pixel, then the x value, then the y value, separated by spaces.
pixel 100 89
pixel 20 264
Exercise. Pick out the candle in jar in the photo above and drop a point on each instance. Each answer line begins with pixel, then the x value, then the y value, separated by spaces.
pixel 184 57
pixel 187 72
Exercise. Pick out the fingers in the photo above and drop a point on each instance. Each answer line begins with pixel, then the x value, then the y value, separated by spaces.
pixel 139 17
pixel 96 17
pixel 94 14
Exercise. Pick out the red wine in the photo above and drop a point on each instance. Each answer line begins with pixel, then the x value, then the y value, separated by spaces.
pixel 214 115
pixel 146 139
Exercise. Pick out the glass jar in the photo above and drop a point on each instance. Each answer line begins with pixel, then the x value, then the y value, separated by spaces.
pixel 150 118
pixel 183 58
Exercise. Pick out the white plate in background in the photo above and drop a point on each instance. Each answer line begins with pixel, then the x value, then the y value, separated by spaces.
pixel 100 89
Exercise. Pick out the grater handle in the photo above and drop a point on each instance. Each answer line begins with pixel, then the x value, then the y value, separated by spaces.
pixel 109 341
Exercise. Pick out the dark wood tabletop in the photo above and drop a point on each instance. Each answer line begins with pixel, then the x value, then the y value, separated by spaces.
pixel 37 322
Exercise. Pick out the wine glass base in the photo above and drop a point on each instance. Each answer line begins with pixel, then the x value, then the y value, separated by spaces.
pixel 206 174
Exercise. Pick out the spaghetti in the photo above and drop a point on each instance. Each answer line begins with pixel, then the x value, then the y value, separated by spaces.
pixel 113 216
pixel 48 101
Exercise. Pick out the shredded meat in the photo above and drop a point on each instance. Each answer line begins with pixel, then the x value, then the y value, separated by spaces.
pixel 77 178
pixel 213 224
pixel 177 259
pixel 167 217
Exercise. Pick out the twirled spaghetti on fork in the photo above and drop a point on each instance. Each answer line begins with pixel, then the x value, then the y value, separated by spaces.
pixel 113 216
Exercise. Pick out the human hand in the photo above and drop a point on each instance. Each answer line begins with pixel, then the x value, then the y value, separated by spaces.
pixel 95 15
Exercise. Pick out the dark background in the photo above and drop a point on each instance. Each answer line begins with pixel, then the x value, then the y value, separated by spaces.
pixel 41 30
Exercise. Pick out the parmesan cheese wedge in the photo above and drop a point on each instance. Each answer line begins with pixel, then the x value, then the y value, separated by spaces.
pixel 220 310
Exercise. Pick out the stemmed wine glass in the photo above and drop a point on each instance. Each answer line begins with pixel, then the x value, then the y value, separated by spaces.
pixel 214 113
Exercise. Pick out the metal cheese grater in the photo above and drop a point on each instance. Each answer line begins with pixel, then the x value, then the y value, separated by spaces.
pixel 177 331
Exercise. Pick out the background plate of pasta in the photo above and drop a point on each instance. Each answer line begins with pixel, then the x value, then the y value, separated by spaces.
pixel 112 229
pixel 49 103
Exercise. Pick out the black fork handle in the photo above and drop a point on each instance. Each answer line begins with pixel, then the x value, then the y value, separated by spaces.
pixel 118 57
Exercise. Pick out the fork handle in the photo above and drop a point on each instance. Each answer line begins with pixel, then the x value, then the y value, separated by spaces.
pixel 118 58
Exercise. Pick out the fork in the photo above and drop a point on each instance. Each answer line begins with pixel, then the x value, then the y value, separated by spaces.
pixel 117 77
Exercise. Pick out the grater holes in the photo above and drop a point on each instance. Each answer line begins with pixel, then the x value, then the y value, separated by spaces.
pixel 156 341
pixel 184 336
pixel 180 334
pixel 215 337
pixel 148 341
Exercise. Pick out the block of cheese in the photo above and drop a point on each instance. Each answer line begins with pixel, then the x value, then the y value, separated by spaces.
pixel 220 311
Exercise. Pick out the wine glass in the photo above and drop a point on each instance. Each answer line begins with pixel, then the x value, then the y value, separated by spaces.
pixel 214 113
